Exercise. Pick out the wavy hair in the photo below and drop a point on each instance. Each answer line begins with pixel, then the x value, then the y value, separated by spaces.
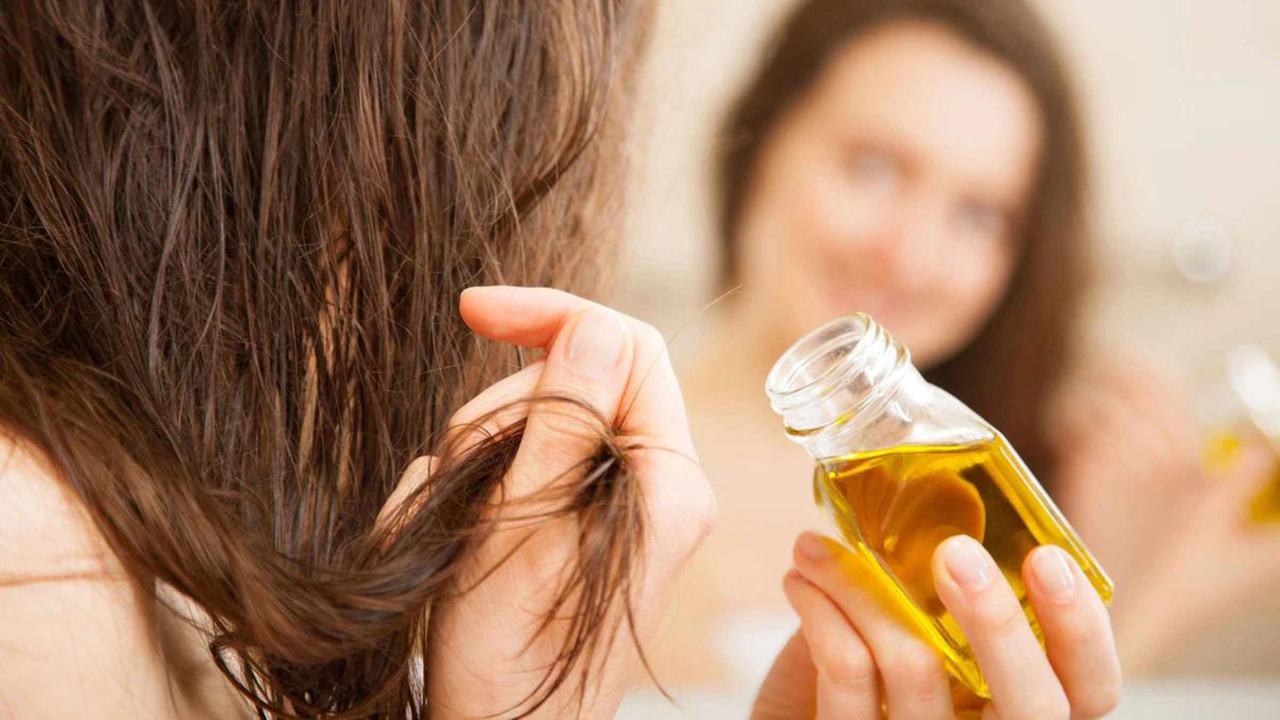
pixel 232 239
pixel 1009 370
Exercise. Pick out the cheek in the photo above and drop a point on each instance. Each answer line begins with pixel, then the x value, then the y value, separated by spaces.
pixel 784 235
pixel 812 206
pixel 844 220
pixel 810 211
pixel 963 305
pixel 980 281
pixel 794 226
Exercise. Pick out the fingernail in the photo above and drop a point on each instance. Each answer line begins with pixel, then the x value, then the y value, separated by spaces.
pixel 967 563
pixel 812 547
pixel 597 342
pixel 474 289
pixel 1053 573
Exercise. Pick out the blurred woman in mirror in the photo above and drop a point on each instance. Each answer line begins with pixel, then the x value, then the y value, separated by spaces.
pixel 924 161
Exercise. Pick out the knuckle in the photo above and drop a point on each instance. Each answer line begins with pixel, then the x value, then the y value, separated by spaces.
pixel 849 666
pixel 687 514
pixel 705 513
pixel 569 422
pixel 698 511
pixel 648 336
pixel 998 619
pixel 1075 633
pixel 501 403
pixel 545 558
pixel 915 669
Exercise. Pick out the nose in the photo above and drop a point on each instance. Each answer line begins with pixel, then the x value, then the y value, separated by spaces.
pixel 909 250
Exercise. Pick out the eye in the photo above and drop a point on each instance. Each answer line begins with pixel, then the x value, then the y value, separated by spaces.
pixel 981 219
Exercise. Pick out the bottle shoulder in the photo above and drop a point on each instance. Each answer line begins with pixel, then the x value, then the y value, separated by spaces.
pixel 929 417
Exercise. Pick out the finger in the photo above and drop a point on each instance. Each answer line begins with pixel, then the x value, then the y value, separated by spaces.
pixel 1157 419
pixel 847 684
pixel 1022 683
pixel 496 408
pixel 589 357
pixel 513 579
pixel 1077 631
pixel 528 317
pixel 652 408
pixel 1138 449
pixel 649 416
pixel 417 474
pixel 588 364
pixel 592 356
pixel 915 684
pixel 1089 420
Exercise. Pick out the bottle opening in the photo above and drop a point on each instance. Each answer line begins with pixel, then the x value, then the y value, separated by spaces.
pixel 828 378
pixel 815 360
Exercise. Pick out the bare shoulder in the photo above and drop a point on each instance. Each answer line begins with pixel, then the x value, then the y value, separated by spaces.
pixel 75 633
pixel 44 529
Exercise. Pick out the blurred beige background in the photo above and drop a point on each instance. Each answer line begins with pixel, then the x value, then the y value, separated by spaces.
pixel 1182 100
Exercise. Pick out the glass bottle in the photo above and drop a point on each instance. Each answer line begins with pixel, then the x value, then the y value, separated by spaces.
pixel 902 465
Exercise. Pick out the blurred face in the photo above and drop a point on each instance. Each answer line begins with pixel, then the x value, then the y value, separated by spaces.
pixel 894 187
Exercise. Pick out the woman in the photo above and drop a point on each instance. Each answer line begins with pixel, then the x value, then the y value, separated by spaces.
pixel 923 160
pixel 258 450
pixel 234 240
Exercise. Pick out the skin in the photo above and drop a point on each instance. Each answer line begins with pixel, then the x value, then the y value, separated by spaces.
pixel 849 657
pixel 81 628
pixel 1078 676
pixel 483 660
pixel 615 363
pixel 1174 536
pixel 895 186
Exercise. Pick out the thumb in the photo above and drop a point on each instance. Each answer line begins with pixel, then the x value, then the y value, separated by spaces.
pixel 393 510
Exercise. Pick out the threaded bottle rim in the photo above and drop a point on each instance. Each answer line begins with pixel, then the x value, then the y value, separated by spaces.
pixel 837 373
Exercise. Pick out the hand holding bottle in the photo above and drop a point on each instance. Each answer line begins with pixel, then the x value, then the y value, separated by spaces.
pixel 902 466
pixel 852 654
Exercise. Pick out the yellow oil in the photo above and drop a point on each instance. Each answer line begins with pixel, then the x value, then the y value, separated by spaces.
pixel 899 504
pixel 1222 449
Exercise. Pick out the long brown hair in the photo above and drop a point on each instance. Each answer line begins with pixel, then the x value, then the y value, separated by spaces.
pixel 232 240
pixel 1009 369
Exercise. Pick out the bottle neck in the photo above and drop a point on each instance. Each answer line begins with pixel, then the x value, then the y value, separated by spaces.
pixel 843 384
